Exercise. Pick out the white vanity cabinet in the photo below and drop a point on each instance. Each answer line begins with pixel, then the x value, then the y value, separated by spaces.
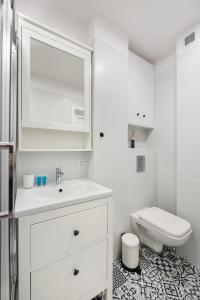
pixel 54 90
pixel 140 92
pixel 66 253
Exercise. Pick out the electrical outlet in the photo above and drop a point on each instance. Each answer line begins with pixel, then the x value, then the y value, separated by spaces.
pixel 81 163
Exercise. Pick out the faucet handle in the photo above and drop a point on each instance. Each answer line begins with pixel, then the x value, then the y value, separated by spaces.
pixel 59 174
pixel 59 171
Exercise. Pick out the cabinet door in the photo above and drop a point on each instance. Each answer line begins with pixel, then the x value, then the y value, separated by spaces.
pixel 141 92
pixel 55 81
pixel 73 277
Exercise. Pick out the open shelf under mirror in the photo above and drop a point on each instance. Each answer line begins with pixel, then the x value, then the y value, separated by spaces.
pixel 53 140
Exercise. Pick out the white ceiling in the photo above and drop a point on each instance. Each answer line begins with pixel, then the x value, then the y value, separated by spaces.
pixel 151 25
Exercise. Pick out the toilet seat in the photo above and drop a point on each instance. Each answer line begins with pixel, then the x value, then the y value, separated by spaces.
pixel 165 222
pixel 156 228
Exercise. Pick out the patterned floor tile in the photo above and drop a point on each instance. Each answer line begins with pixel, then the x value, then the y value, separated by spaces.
pixel 129 290
pixel 164 276
pixel 118 277
pixel 171 290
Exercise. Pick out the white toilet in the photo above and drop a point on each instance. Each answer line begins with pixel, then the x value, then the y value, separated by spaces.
pixel 156 227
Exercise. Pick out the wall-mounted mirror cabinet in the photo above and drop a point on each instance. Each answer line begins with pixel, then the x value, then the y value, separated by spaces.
pixel 54 90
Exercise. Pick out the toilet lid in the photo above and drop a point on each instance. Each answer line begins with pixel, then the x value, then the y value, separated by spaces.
pixel 165 221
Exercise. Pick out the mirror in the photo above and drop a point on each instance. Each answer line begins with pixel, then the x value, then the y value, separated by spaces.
pixel 56 86
pixel 54 90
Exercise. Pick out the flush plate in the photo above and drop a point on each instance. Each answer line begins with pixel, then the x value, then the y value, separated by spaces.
pixel 140 163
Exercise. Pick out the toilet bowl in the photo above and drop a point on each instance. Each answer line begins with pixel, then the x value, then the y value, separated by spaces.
pixel 156 227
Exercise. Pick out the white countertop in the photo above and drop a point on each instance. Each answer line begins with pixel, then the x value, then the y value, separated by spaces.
pixel 40 199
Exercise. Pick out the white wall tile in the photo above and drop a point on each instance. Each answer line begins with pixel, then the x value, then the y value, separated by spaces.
pixel 188 207
pixel 167 191
pixel 46 163
pixel 163 138
pixel 188 159
pixel 121 221
pixel 165 63
pixel 188 145
pixel 167 155
pixel 110 154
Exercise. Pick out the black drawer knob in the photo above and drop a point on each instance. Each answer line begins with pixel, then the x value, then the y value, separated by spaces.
pixel 144 116
pixel 138 114
pixel 76 232
pixel 76 272
pixel 101 134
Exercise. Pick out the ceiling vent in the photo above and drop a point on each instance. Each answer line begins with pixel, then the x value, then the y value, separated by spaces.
pixel 189 38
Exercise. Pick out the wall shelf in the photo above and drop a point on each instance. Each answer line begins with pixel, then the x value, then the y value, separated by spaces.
pixel 140 134
pixel 143 127
pixel 56 150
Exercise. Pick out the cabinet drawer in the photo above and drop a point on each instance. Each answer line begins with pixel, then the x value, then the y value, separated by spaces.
pixel 60 280
pixel 57 237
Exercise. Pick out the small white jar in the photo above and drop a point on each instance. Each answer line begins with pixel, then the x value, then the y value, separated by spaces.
pixel 28 181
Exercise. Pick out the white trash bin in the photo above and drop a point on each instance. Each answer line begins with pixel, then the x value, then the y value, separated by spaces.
pixel 130 251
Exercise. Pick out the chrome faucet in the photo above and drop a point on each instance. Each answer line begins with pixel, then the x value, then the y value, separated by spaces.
pixel 59 174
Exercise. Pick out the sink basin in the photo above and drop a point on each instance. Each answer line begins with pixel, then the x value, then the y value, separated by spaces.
pixel 65 190
pixel 39 199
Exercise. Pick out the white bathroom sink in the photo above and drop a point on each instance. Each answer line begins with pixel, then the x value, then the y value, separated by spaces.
pixel 39 199
pixel 65 190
